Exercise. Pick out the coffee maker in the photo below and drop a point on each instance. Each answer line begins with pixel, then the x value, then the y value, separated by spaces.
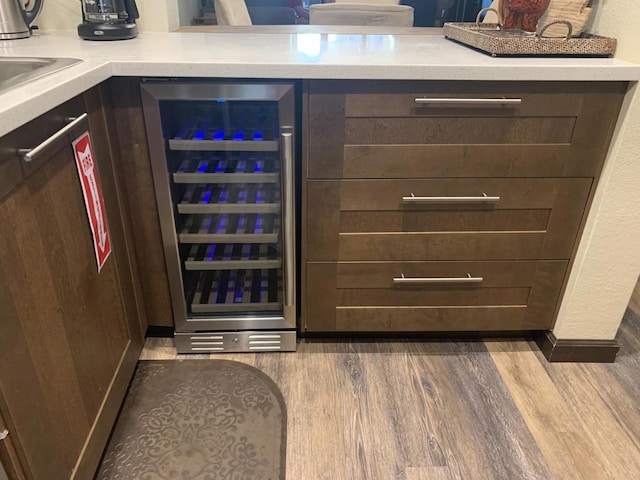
pixel 108 20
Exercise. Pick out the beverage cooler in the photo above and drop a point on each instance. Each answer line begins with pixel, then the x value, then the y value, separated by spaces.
pixel 222 156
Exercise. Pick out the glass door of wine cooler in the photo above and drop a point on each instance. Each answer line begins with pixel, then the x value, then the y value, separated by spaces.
pixel 223 160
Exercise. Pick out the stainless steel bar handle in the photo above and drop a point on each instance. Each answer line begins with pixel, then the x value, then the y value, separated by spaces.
pixel 402 280
pixel 29 155
pixel 289 217
pixel 472 102
pixel 477 199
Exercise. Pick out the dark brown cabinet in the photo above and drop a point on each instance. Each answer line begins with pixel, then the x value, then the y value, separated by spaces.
pixel 446 206
pixel 70 336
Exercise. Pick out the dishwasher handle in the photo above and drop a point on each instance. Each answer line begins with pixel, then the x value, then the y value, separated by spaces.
pixel 29 155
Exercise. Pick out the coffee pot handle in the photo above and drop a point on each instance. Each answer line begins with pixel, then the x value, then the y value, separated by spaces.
pixel 132 8
pixel 31 15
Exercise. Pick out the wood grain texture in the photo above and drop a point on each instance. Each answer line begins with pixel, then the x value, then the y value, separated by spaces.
pixel 66 327
pixel 9 459
pixel 593 107
pixel 396 410
pixel 441 246
pixel 634 302
pixel 102 122
pixel 572 410
pixel 458 131
pixel 401 161
pixel 347 220
pixel 361 296
pixel 136 173
pixel 34 259
pixel 408 410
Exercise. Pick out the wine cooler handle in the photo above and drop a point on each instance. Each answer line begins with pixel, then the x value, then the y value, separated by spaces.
pixel 289 217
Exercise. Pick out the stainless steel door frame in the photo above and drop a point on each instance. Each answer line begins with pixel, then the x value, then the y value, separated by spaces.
pixel 283 93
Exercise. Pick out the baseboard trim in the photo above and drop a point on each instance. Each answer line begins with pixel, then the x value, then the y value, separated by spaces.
pixel 591 351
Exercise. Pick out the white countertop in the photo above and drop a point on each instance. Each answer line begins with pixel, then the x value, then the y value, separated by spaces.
pixel 257 54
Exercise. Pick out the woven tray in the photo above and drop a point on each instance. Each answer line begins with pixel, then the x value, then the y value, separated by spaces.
pixel 489 38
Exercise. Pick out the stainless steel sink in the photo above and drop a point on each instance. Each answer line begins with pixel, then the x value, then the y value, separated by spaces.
pixel 15 71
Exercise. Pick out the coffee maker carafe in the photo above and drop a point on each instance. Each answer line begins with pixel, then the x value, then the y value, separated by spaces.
pixel 108 19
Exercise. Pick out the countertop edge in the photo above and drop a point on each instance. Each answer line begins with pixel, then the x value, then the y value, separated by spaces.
pixel 402 61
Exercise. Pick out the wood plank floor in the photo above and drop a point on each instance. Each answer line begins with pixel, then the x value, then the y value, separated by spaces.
pixel 404 410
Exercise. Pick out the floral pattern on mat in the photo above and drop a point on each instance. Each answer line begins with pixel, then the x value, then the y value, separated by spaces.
pixel 219 423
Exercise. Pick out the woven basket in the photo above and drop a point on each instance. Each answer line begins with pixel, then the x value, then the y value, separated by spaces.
pixel 491 39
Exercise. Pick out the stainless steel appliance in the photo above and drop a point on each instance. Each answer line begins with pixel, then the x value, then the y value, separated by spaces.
pixel 16 21
pixel 222 156
pixel 108 20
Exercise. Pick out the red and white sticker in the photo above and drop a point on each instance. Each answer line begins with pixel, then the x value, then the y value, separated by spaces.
pixel 93 200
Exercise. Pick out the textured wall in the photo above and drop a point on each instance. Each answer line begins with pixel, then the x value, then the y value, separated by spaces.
pixel 608 261
pixel 155 15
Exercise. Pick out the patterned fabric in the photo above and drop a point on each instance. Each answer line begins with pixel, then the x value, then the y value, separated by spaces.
pixel 523 14
pixel 200 419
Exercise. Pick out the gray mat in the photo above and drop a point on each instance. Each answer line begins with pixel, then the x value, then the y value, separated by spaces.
pixel 198 419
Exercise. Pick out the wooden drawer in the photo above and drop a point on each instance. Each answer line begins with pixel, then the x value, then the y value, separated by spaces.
pixel 367 129
pixel 366 220
pixel 362 297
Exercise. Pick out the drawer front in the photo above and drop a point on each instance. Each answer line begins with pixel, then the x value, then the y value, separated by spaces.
pixel 378 220
pixel 407 129
pixel 432 296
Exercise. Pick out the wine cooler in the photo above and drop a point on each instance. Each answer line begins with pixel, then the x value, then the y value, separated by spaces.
pixel 222 156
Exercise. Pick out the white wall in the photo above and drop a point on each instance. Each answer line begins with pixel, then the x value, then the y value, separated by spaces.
pixel 608 260
pixel 155 15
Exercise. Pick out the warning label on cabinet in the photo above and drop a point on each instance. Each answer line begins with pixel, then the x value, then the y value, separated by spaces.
pixel 93 200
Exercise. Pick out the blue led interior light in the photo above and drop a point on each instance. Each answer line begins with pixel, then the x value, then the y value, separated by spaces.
pixel 199 135
pixel 238 136
pixel 219 135
pixel 239 291
pixel 258 136
pixel 222 224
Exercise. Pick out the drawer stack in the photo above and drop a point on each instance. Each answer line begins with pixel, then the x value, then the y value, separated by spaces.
pixel 446 206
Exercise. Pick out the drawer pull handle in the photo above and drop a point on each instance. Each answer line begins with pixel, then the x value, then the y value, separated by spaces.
pixel 482 199
pixel 29 155
pixel 402 280
pixel 468 102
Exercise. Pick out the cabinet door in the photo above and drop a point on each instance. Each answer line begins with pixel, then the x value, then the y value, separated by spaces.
pixel 67 347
